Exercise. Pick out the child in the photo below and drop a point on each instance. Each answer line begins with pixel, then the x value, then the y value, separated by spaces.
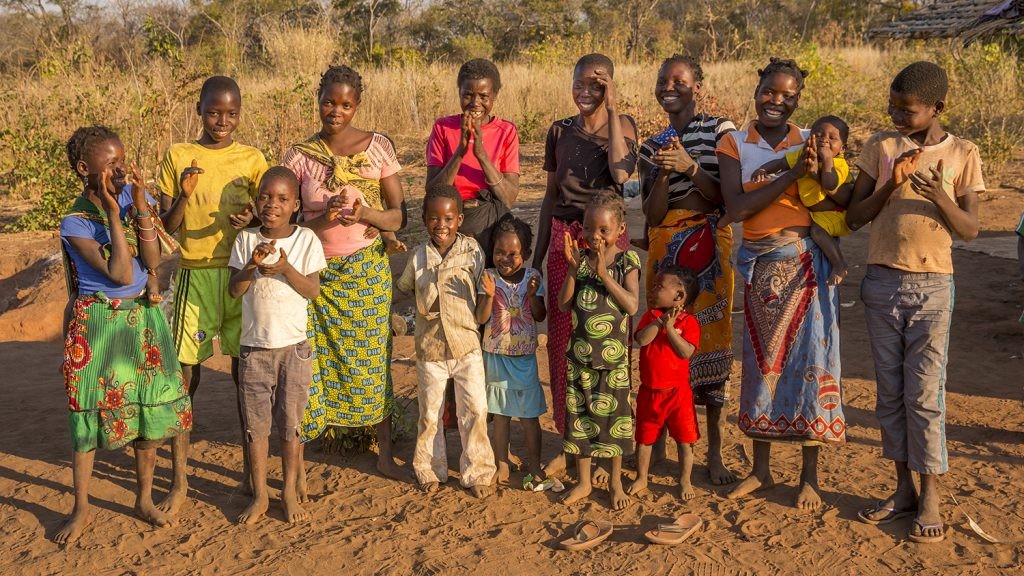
pixel 510 303
pixel 206 190
pixel 918 185
pixel 121 389
pixel 275 364
pixel 821 188
pixel 668 337
pixel 602 290
pixel 443 274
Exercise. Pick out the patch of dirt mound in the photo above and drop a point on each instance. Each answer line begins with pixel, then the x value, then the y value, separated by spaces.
pixel 32 291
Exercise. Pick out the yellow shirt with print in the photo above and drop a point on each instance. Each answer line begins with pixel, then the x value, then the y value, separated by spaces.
pixel 230 179
pixel 811 192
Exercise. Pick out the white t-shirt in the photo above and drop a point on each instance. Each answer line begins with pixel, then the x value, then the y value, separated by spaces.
pixel 273 313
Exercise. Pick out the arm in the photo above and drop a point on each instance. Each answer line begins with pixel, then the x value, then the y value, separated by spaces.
pixel 741 205
pixel 565 295
pixel 307 285
pixel 648 333
pixel 390 219
pixel 145 223
pixel 537 308
pixel 241 279
pixel 173 208
pixel 682 348
pixel 619 164
pixel 655 198
pixel 504 185
pixel 547 206
pixel 485 300
pixel 627 296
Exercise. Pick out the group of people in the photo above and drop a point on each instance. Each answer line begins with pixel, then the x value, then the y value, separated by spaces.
pixel 288 266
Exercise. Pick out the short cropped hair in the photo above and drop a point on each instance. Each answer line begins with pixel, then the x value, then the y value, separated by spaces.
pixel 479 69
pixel 281 173
pixel 688 279
pixel 441 190
pixel 842 126
pixel 218 85
pixel 595 60
pixel 610 201
pixel 925 80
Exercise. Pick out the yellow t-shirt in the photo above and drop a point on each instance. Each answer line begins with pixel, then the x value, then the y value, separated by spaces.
pixel 230 179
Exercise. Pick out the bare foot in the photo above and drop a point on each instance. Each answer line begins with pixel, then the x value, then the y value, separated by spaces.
pixel 637 487
pixel 255 510
pixel 293 511
pixel 719 473
pixel 600 475
pixel 151 514
pixel 619 498
pixel 515 461
pixel 751 484
pixel 503 473
pixel 686 491
pixel 388 468
pixel 579 492
pixel 807 498
pixel 482 490
pixel 154 298
pixel 173 501
pixel 430 487
pixel 76 523
pixel 245 486
pixel 556 466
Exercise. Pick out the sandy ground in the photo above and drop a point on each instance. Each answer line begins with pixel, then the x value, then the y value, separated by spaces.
pixel 363 524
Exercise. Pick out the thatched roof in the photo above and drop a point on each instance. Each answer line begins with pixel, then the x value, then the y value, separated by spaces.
pixel 971 19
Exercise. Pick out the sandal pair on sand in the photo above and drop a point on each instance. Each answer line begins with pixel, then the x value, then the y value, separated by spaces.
pixel 893 514
pixel 590 533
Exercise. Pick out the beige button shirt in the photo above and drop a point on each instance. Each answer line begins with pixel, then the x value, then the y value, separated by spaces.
pixel 445 290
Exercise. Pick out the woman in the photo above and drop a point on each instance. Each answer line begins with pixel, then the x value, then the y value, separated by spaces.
pixel 349 183
pixel 682 203
pixel 790 387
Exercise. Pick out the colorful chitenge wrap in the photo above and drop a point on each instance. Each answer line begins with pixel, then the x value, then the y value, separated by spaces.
pixel 345 170
pixel 692 239
pixel 120 384
pixel 349 326
pixel 791 376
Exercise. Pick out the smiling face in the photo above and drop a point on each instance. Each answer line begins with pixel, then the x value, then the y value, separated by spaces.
pixel 587 92
pixel 602 224
pixel 668 292
pixel 338 105
pixel 476 97
pixel 776 99
pixel 829 134
pixel 508 253
pixel 277 201
pixel 103 155
pixel 910 115
pixel 442 218
pixel 676 88
pixel 220 112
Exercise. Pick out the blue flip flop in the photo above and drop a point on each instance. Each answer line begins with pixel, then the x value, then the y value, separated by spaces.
pixel 892 514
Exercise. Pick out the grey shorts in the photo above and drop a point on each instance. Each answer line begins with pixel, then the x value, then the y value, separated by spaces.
pixel 274 385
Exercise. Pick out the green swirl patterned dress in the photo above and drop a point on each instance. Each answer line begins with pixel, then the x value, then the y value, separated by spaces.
pixel 599 420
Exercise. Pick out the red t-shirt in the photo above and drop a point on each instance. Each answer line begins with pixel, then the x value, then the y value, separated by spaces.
pixel 501 141
pixel 660 366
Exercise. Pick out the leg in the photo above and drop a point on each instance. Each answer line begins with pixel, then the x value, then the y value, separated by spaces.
pixel 716 430
pixel 476 465
pixel 761 476
pixel 257 447
pixel 583 487
pixel 500 446
pixel 643 466
pixel 81 515
pixel 685 470
pixel 807 498
pixel 531 430
pixel 301 490
pixel 659 451
pixel 179 484
pixel 246 485
pixel 386 464
pixel 145 463
pixel 600 475
pixel 904 498
pixel 291 462
pixel 618 496
pixel 153 290
pixel 929 517
pixel 191 373
pixel 830 247
pixel 430 461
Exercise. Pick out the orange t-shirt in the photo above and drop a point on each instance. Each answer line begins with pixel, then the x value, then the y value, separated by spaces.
pixel 752 152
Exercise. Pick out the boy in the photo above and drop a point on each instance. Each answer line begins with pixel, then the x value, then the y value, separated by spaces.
pixel 822 189
pixel 443 274
pixel 668 336
pixel 275 269
pixel 918 185
pixel 206 188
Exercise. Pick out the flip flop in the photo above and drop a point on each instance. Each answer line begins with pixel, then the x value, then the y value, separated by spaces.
pixel 893 514
pixel 587 534
pixel 675 533
pixel 921 538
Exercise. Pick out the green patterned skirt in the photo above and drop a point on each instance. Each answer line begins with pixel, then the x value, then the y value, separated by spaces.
pixel 121 385
pixel 598 420
pixel 350 328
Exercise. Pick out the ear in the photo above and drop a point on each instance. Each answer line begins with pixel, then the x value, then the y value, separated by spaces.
pixel 198 109
pixel 939 107
pixel 461 218
pixel 82 169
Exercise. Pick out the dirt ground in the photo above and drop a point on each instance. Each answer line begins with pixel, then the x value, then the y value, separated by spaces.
pixel 363 524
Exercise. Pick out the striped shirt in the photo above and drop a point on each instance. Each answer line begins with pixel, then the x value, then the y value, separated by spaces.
pixel 700 139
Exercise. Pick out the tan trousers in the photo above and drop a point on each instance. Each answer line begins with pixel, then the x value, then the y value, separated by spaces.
pixel 430 461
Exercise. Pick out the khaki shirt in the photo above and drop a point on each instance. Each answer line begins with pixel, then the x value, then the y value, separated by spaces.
pixel 909 233
pixel 445 290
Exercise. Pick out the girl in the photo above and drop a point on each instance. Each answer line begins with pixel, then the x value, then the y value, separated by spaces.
pixel 682 201
pixel 585 155
pixel 511 302
pixel 122 387
pixel 602 291
pixel 790 385
pixel 476 152
pixel 349 183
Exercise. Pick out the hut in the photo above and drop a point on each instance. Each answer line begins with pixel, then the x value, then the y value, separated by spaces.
pixel 969 20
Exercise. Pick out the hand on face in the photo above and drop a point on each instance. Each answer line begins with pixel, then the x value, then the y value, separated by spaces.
pixel 106 190
pixel 604 79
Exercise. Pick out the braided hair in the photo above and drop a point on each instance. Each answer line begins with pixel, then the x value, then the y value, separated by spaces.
pixel 84 139
pixel 341 74
pixel 689 61
pixel 509 224
pixel 610 201
pixel 783 66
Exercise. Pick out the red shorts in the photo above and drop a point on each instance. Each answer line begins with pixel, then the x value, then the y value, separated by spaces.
pixel 672 407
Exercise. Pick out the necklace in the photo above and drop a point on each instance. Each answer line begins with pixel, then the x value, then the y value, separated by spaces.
pixel 583 127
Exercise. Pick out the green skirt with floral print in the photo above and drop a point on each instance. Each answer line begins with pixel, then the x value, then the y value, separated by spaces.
pixel 121 385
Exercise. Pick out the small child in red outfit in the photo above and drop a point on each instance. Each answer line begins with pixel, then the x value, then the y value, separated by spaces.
pixel 668 335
